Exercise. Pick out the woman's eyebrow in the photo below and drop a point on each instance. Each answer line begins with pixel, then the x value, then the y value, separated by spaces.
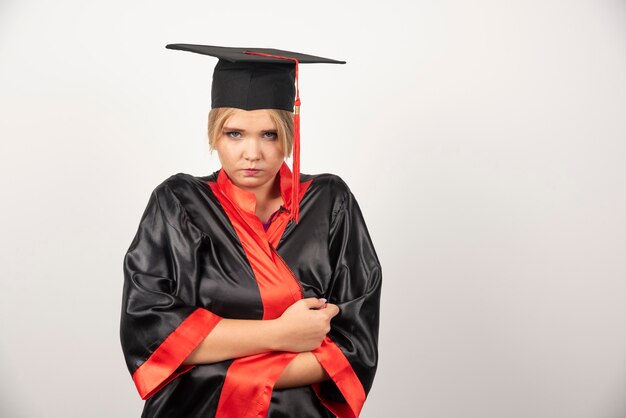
pixel 228 128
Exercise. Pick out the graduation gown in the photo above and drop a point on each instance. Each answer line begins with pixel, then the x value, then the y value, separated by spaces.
pixel 200 254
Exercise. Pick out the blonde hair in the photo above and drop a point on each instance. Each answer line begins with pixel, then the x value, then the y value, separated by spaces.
pixel 283 119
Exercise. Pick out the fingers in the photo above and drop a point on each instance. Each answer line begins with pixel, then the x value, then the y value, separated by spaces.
pixel 314 303
pixel 321 303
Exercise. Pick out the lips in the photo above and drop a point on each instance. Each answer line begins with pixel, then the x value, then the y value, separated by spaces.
pixel 251 171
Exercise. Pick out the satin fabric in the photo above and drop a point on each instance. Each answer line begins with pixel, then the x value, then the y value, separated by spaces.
pixel 187 268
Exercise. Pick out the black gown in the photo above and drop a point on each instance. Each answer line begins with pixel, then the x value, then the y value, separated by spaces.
pixel 201 254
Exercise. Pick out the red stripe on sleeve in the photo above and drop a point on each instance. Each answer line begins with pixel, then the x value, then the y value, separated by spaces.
pixel 247 390
pixel 341 372
pixel 163 364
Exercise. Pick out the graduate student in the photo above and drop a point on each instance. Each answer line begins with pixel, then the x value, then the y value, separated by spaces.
pixel 253 291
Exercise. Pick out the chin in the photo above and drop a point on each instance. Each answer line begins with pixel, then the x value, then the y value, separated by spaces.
pixel 253 180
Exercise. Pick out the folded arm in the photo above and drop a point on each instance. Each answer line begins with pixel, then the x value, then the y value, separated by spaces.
pixel 300 329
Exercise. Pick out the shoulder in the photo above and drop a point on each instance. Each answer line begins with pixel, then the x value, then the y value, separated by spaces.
pixel 331 184
pixel 330 190
pixel 173 191
pixel 180 184
pixel 184 201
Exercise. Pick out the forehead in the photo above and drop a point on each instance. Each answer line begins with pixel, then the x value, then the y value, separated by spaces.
pixel 253 119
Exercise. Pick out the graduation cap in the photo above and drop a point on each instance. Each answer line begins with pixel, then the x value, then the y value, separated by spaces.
pixel 259 78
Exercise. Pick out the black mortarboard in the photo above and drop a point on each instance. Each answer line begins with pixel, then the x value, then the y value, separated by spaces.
pixel 259 78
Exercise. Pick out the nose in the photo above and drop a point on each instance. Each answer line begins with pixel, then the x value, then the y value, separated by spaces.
pixel 252 150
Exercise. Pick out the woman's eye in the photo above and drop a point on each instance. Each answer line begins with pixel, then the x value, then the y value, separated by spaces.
pixel 233 134
pixel 272 135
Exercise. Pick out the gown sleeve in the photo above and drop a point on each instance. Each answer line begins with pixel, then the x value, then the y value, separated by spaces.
pixel 350 351
pixel 158 329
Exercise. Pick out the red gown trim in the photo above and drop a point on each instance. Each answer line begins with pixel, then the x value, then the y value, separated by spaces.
pixel 163 364
pixel 340 371
pixel 249 381
pixel 272 275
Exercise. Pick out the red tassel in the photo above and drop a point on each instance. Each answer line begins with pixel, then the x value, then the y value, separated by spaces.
pixel 295 170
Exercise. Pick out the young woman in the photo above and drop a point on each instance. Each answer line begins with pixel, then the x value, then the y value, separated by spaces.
pixel 253 291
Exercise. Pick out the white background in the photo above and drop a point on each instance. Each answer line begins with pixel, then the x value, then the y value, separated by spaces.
pixel 484 141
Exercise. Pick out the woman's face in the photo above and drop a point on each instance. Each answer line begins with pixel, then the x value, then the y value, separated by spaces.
pixel 250 140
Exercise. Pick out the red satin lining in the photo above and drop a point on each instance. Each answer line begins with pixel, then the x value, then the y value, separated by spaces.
pixel 249 383
pixel 163 364
pixel 340 370
pixel 250 380
pixel 277 284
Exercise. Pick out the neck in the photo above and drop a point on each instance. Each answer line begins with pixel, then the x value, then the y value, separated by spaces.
pixel 268 193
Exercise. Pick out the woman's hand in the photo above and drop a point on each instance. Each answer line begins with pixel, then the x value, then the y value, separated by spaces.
pixel 303 325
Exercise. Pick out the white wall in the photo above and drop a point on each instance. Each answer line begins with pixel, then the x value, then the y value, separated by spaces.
pixel 485 142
